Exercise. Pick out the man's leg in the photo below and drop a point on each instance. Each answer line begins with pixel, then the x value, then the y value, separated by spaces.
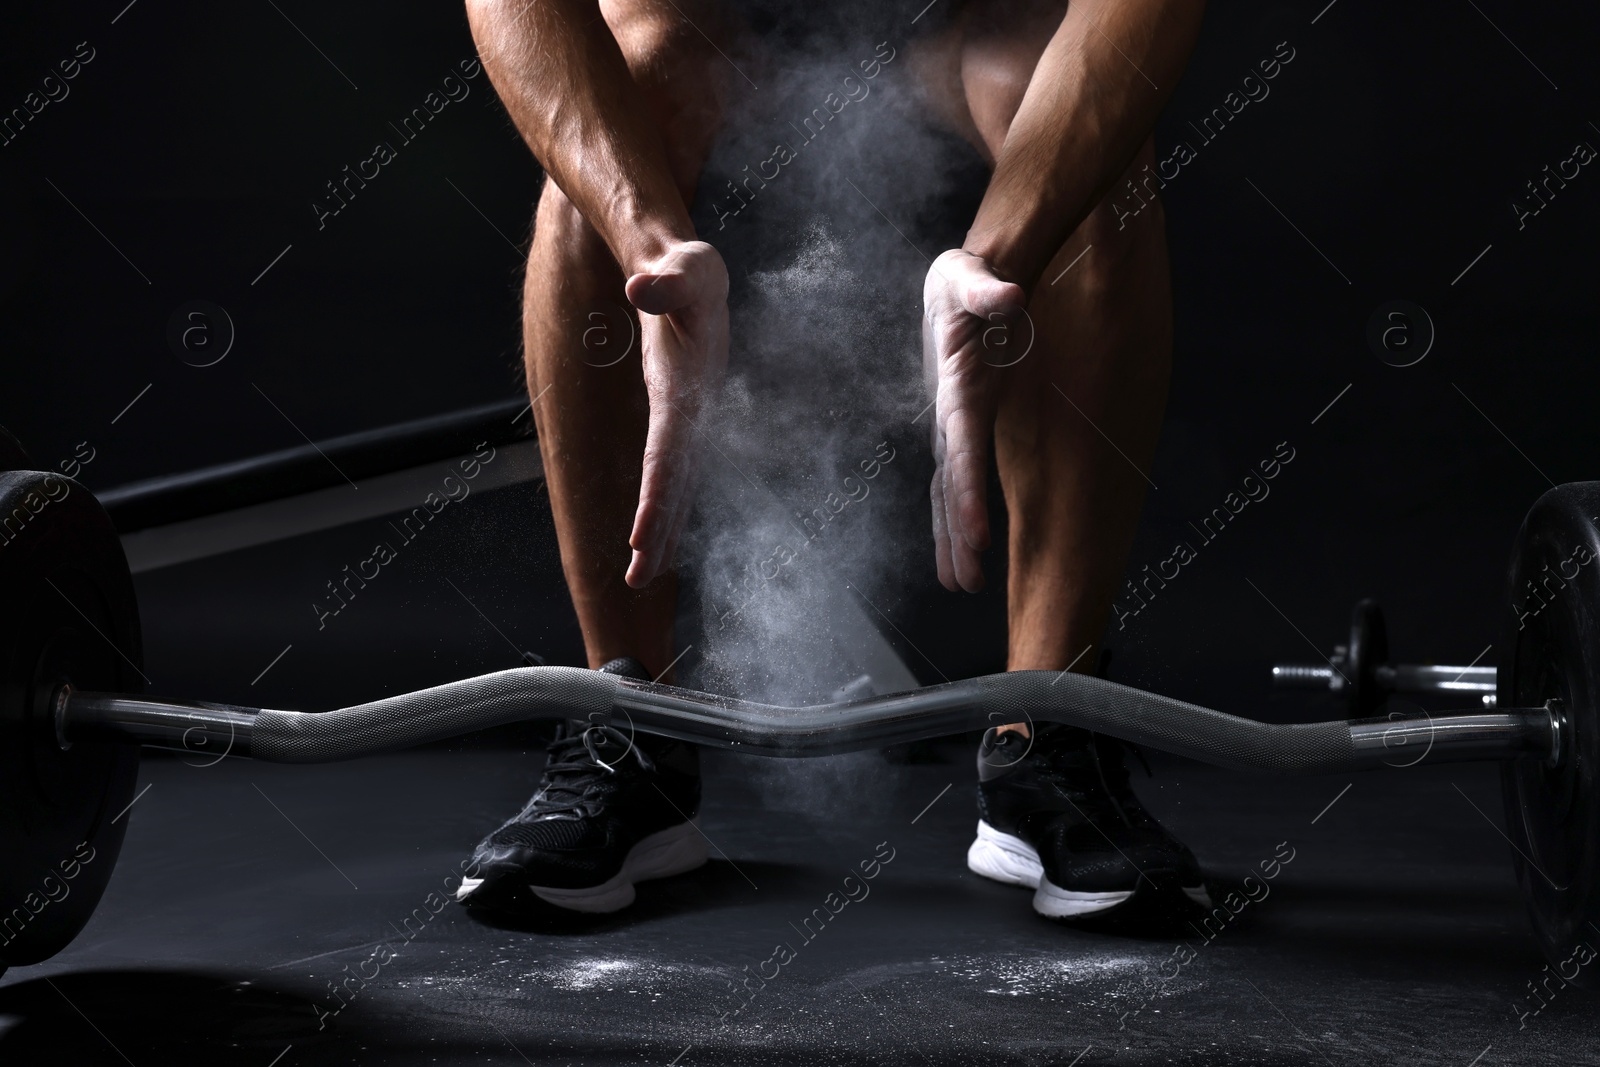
pixel 1080 415
pixel 610 809
pixel 1076 428
pixel 592 416
pixel 591 421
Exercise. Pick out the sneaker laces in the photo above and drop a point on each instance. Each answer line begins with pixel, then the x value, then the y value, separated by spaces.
pixel 1117 785
pixel 1091 769
pixel 574 771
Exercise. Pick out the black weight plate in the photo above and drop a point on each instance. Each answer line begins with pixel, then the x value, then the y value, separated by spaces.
pixel 1553 643
pixel 13 457
pixel 1368 648
pixel 67 613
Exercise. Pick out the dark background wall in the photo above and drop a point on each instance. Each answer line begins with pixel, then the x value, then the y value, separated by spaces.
pixel 1385 160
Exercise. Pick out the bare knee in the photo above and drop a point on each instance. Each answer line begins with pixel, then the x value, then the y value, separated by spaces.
pixel 1000 47
pixel 1129 219
pixel 559 220
pixel 1124 232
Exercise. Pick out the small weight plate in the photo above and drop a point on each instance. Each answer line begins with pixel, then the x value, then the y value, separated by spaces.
pixel 1553 653
pixel 67 614
pixel 1369 647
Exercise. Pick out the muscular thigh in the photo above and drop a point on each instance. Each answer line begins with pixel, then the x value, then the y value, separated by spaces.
pixel 974 72
pixel 671 48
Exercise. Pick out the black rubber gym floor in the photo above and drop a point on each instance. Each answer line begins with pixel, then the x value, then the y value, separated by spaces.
pixel 247 891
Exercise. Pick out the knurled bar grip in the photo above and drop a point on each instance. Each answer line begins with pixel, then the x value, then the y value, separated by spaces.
pixel 1170 725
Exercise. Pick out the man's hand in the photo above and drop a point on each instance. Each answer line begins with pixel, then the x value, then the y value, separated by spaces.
pixel 682 297
pixel 968 332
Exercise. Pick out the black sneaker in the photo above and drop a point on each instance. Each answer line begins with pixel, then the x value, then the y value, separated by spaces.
pixel 608 812
pixel 1058 816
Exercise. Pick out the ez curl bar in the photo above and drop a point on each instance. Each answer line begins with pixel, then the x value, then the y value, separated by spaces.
pixel 72 723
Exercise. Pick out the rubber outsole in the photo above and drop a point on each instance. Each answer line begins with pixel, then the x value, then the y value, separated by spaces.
pixel 1007 858
pixel 675 850
pixel 1053 902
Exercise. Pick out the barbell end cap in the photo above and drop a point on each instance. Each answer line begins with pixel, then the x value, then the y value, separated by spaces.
pixel 58 713
pixel 1558 742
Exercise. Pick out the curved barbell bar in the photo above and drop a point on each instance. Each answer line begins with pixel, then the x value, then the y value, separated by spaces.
pixel 529 693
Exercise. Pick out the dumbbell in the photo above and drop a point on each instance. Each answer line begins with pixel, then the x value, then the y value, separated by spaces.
pixel 72 721
pixel 1360 672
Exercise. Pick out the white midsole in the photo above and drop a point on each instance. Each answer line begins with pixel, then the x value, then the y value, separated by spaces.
pixel 1004 858
pixel 1007 858
pixel 660 855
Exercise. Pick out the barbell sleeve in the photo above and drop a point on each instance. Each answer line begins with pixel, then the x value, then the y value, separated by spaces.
pixel 1391 678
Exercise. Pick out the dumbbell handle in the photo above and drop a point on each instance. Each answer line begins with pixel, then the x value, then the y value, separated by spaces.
pixel 1393 678
pixel 760 729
